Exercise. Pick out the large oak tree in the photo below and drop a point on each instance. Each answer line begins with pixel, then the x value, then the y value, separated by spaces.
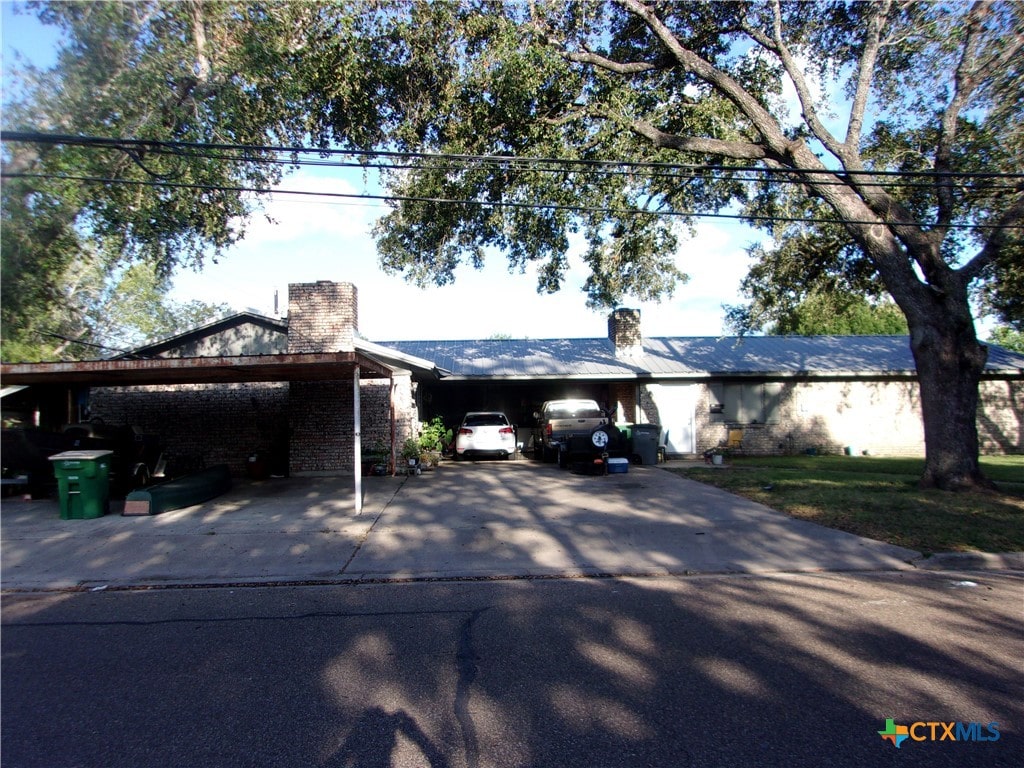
pixel 78 218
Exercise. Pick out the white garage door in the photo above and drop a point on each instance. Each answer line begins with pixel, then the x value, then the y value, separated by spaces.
pixel 674 405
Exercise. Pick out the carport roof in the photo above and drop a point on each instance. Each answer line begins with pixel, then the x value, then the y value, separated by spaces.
pixel 683 357
pixel 372 360
pixel 323 366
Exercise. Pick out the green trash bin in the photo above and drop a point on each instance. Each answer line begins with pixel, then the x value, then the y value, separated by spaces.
pixel 83 482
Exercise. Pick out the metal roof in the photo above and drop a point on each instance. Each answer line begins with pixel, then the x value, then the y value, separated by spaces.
pixel 682 357
pixel 693 357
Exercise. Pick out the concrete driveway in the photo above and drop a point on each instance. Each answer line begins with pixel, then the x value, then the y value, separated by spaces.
pixel 481 519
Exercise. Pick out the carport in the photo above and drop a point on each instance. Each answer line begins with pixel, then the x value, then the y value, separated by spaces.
pixel 309 366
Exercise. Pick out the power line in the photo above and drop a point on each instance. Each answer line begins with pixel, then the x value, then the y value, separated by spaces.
pixel 462 163
pixel 462 166
pixel 510 161
pixel 481 203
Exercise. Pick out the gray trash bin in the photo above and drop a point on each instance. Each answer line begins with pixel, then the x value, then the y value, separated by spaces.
pixel 646 439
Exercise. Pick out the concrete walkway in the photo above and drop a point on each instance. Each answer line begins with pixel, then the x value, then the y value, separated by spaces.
pixel 476 520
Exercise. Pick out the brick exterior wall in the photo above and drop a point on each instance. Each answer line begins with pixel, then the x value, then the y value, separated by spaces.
pixel 321 427
pixel 375 412
pixel 303 428
pixel 322 317
pixel 307 427
pixel 882 417
pixel 204 424
pixel 622 401
pixel 407 409
pixel 1001 417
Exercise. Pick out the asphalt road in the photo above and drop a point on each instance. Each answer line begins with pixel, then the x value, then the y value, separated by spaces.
pixel 732 670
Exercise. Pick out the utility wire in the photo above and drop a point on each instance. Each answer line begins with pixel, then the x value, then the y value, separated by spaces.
pixel 464 163
pixel 456 166
pixel 510 161
pixel 482 203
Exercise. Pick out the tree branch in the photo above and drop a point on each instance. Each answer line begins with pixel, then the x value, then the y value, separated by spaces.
pixel 865 71
pixel 738 150
pixel 776 141
pixel 970 73
pixel 1010 220
pixel 619 68
pixel 777 45
pixel 203 65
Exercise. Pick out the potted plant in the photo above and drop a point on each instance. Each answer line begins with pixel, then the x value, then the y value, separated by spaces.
pixel 433 438
pixel 375 458
pixel 717 455
pixel 411 452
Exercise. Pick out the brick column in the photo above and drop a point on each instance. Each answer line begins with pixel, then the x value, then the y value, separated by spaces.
pixel 623 401
pixel 322 317
pixel 624 332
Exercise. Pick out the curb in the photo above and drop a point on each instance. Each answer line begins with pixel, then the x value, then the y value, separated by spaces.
pixel 971 561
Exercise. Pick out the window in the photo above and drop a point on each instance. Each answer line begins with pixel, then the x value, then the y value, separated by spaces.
pixel 745 402
pixel 574 413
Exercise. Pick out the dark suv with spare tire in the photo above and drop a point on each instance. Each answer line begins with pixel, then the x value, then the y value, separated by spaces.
pixel 559 422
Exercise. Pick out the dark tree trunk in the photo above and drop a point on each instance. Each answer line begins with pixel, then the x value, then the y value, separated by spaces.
pixel 950 361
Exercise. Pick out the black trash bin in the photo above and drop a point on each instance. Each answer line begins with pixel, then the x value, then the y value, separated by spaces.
pixel 646 439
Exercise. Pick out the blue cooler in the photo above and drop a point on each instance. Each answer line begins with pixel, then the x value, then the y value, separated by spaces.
pixel 618 466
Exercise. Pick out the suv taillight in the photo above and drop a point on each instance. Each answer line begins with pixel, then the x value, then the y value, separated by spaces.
pixel 465 431
pixel 505 431
pixel 548 430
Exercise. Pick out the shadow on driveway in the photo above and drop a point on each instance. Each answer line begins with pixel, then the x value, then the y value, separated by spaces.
pixel 466 520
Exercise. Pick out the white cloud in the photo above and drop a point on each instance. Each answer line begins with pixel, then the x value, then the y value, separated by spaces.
pixel 330 241
pixel 291 217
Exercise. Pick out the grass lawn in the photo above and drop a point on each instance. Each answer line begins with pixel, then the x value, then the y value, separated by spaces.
pixel 878 497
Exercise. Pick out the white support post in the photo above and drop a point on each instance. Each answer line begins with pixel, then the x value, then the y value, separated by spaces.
pixel 357 449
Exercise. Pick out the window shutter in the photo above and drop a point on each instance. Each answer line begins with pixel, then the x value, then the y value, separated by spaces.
pixel 772 402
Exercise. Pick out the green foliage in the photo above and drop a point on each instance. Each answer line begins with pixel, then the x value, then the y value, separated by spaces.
pixel 691 85
pixel 145 70
pixel 132 310
pixel 1007 337
pixel 843 315
pixel 411 449
pixel 433 435
pixel 105 312
pixel 38 244
pixel 1003 295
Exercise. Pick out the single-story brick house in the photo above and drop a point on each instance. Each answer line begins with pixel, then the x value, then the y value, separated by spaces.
pixel 289 390
pixel 787 393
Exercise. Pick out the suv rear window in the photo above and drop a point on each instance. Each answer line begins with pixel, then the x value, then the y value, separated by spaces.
pixel 574 413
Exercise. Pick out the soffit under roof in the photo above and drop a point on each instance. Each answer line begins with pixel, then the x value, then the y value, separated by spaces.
pixel 324 366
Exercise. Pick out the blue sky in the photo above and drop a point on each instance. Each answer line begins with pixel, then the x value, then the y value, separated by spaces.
pixel 316 240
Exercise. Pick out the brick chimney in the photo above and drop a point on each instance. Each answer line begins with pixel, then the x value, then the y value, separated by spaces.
pixel 624 331
pixel 322 317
